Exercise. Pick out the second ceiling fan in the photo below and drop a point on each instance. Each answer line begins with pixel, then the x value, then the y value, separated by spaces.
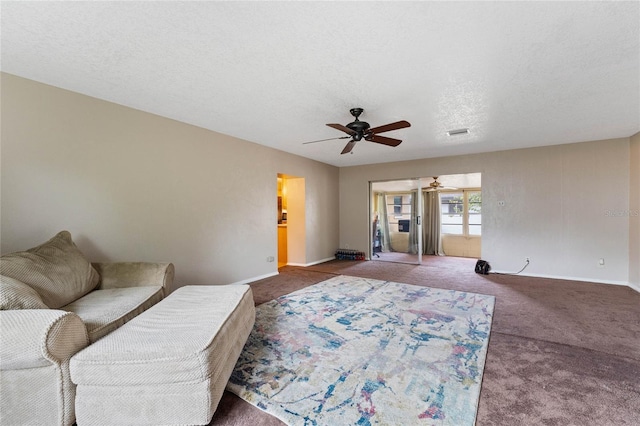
pixel 437 186
pixel 359 130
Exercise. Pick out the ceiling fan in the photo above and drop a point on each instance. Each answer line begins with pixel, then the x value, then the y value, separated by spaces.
pixel 437 186
pixel 359 130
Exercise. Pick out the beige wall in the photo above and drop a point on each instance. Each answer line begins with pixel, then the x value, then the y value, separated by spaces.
pixel 134 186
pixel 556 203
pixel 634 216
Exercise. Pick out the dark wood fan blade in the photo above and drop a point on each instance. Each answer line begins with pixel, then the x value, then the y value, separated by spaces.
pixel 329 139
pixel 389 127
pixel 384 140
pixel 342 128
pixel 347 149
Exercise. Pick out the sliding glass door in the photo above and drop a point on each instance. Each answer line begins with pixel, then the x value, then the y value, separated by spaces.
pixel 396 225
pixel 444 220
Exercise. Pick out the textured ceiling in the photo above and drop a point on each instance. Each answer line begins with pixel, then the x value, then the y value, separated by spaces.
pixel 517 74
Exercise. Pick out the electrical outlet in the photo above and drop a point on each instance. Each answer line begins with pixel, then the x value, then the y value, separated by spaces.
pixel 601 262
pixel 501 203
pixel 270 259
pixel 527 260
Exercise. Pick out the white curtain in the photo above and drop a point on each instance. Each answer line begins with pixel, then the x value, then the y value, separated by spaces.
pixel 383 222
pixel 431 235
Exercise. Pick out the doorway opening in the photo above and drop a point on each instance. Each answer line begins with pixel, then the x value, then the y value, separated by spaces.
pixel 431 216
pixel 291 220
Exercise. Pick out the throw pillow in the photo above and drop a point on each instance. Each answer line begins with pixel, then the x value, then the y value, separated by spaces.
pixel 57 270
pixel 17 295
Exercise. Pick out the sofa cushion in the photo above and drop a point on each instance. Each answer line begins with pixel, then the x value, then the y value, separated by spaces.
pixel 103 311
pixel 57 270
pixel 17 295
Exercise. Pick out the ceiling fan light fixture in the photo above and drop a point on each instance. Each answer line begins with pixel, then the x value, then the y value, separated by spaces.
pixel 361 130
pixel 457 132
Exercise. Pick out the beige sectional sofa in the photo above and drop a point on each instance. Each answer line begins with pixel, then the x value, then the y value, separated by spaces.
pixel 53 304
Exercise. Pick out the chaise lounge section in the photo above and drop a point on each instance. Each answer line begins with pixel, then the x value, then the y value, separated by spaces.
pixel 53 304
pixel 169 365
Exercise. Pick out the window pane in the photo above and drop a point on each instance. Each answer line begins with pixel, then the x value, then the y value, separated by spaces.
pixel 475 230
pixel 475 202
pixel 452 203
pixel 475 212
pixel 452 229
pixel 475 219
pixel 452 208
pixel 475 222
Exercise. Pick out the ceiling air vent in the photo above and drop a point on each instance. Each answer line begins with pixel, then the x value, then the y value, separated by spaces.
pixel 458 132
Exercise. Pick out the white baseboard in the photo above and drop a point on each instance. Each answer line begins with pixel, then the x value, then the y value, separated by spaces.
pixel 559 277
pixel 250 280
pixel 636 287
pixel 312 263
pixel 272 274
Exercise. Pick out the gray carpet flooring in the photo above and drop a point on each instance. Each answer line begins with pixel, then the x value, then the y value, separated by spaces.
pixel 560 352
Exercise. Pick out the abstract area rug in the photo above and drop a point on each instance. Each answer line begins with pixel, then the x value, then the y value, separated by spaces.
pixel 356 351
